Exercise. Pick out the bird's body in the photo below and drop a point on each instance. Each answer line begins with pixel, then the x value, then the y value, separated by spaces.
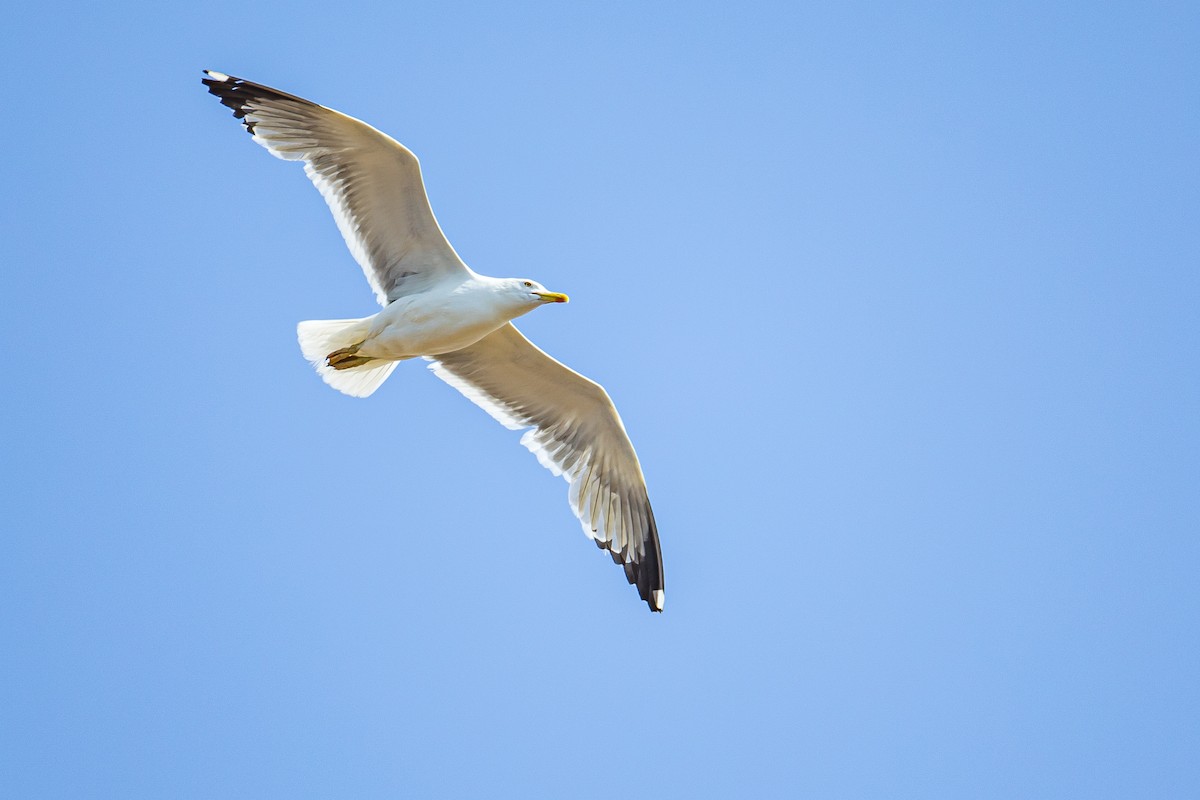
pixel 437 308
pixel 441 319
pixel 355 356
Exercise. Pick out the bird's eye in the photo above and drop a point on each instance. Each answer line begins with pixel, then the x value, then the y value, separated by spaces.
pixel 528 283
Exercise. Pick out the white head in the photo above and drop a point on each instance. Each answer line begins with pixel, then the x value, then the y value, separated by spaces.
pixel 529 293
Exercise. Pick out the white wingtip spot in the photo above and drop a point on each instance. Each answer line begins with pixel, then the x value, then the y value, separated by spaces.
pixel 659 597
pixel 216 76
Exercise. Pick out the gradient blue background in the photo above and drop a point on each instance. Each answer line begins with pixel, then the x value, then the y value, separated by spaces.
pixel 901 307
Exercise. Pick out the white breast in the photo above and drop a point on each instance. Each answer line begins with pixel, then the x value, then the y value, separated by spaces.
pixel 441 320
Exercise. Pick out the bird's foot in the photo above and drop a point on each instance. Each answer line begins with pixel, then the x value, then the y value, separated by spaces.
pixel 346 358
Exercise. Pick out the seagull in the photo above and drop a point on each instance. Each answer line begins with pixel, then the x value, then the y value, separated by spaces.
pixel 437 308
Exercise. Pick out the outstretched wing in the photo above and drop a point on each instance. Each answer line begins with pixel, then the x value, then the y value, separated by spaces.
pixel 371 182
pixel 575 432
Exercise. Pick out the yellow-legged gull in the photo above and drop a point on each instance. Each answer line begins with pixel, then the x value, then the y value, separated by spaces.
pixel 435 307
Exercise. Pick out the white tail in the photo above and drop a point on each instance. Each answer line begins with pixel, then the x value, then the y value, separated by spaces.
pixel 320 337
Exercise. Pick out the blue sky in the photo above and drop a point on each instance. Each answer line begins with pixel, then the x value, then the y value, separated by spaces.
pixel 899 304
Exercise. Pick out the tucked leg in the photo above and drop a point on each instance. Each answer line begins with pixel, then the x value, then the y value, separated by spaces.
pixel 346 358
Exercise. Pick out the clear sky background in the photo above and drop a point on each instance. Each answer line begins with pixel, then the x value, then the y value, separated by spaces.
pixel 901 307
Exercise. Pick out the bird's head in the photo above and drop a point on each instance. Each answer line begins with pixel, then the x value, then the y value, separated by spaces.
pixel 534 293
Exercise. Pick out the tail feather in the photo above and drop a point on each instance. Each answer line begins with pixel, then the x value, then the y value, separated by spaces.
pixel 320 337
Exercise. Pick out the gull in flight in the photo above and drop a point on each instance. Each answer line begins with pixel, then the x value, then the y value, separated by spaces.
pixel 435 307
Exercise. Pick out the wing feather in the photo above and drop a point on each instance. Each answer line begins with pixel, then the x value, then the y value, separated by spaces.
pixel 371 182
pixel 575 432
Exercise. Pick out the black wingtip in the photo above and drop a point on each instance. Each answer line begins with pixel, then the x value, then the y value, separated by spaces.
pixel 646 571
pixel 227 89
pixel 240 95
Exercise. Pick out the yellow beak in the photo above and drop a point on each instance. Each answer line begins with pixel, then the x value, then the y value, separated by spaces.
pixel 553 297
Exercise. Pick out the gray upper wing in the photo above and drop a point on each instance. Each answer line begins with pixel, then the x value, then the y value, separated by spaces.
pixel 371 182
pixel 575 432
